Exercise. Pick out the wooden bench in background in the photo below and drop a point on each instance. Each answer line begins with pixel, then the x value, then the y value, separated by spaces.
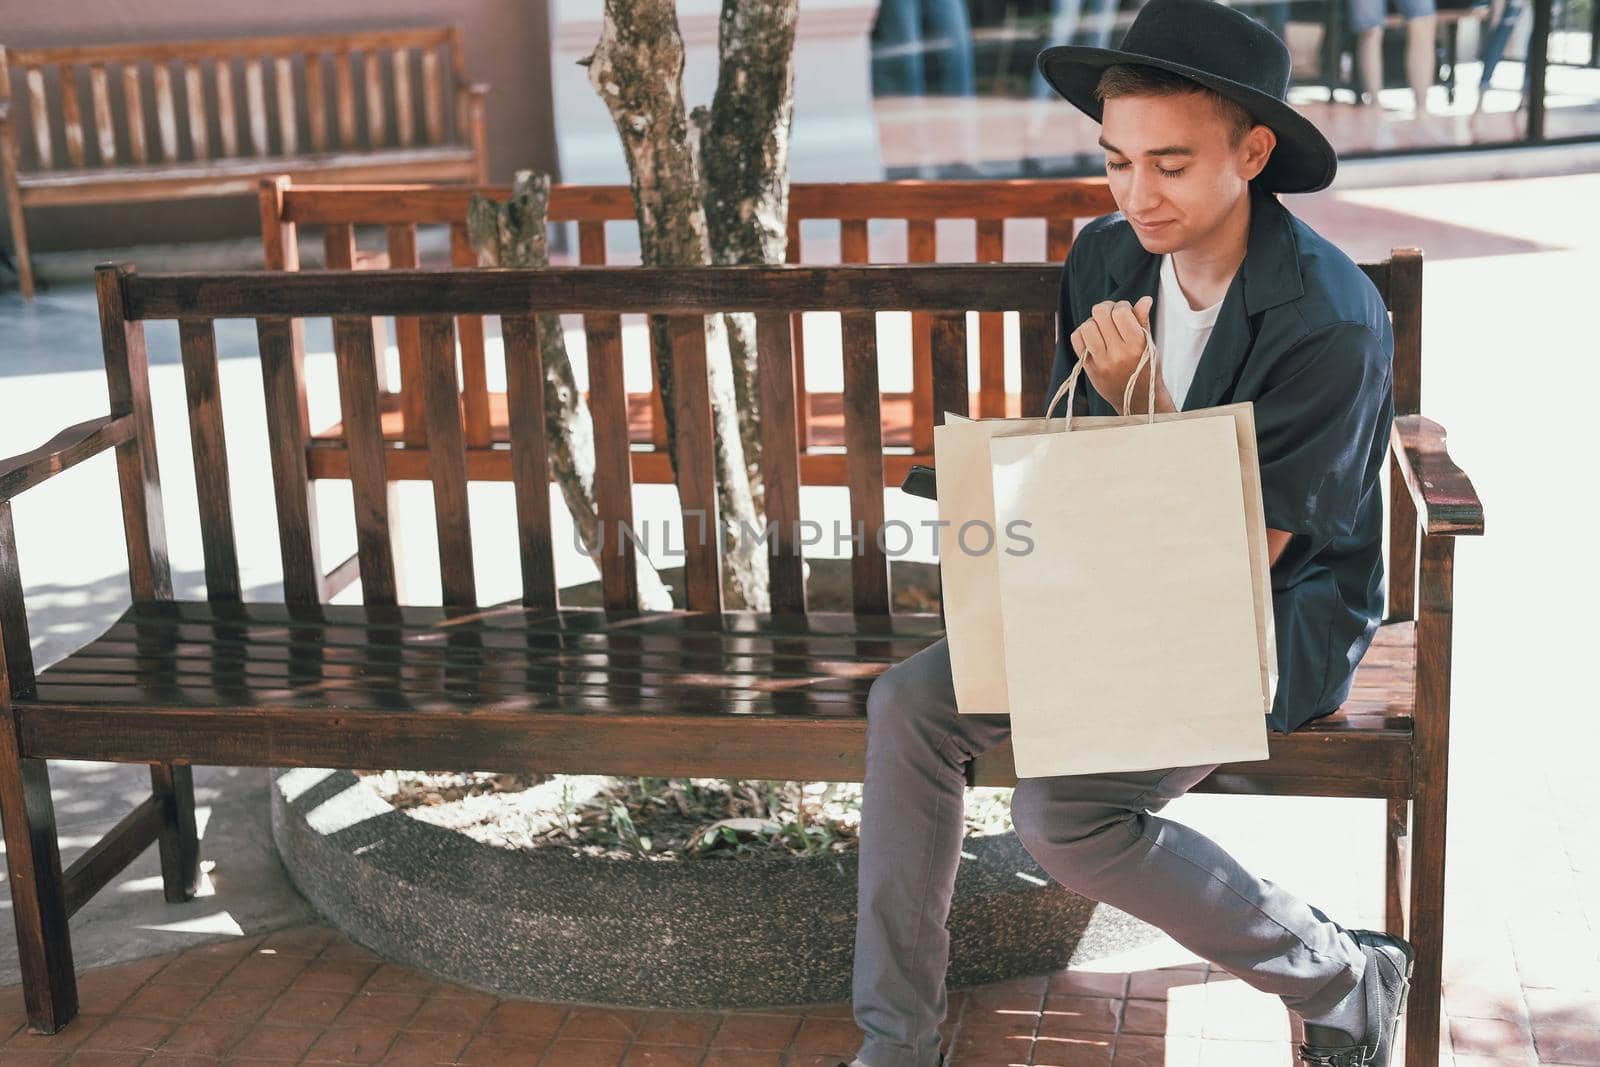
pixel 178 119
pixel 532 685
pixel 978 212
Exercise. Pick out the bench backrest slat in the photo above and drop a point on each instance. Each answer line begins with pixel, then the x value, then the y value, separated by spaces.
pixel 194 98
pixel 166 112
pixel 227 108
pixel 432 97
pixel 284 388
pixel 863 442
pixel 371 490
pixel 402 249
pixel 255 105
pixel 133 112
pixel 1037 337
pixel 39 105
pixel 316 103
pixel 780 459
pixel 104 127
pixel 991 330
pixel 377 114
pixel 198 342
pixel 288 120
pixel 404 108
pixel 474 359
pixel 948 344
pixel 530 458
pixel 613 477
pixel 72 116
pixel 285 118
pixel 447 460
pixel 345 88
pixel 696 463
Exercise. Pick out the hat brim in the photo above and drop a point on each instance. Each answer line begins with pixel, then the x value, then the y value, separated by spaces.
pixel 1302 162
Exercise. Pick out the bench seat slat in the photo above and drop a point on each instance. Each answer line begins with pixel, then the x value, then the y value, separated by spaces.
pixel 714 694
pixel 612 681
pixel 129 665
pixel 137 182
pixel 479 689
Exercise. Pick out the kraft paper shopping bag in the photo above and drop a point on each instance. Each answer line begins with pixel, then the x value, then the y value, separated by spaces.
pixel 1122 611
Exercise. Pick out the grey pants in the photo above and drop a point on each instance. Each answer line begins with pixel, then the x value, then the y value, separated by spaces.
pixel 1095 834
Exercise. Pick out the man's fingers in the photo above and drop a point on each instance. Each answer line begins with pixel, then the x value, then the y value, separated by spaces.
pixel 1142 309
pixel 1093 340
pixel 1128 324
pixel 1104 319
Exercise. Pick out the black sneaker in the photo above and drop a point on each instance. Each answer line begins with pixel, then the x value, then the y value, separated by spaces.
pixel 1387 982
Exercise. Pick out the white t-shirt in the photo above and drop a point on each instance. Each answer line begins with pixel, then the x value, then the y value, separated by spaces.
pixel 1180 333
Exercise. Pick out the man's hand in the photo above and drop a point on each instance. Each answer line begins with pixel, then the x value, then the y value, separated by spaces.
pixel 1110 343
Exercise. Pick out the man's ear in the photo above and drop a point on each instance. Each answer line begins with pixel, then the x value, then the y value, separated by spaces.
pixel 1255 149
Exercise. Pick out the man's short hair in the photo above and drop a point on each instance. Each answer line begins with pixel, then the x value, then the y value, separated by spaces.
pixel 1134 79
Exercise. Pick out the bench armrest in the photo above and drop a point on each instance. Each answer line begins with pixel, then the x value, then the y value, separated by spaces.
pixel 1445 500
pixel 66 449
pixel 472 88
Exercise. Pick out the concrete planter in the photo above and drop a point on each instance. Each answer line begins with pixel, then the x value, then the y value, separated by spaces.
pixel 548 925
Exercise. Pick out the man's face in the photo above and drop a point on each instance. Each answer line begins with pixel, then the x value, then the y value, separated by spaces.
pixel 1172 171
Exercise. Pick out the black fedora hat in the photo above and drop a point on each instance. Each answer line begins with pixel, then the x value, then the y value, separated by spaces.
pixel 1222 49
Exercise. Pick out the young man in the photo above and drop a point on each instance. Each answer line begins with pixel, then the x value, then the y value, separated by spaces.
pixel 1245 302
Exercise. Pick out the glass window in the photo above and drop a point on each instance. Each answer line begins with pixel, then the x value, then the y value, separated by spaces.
pixel 957 94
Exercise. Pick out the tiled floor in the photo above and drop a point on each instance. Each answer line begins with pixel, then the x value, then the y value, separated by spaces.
pixel 307 994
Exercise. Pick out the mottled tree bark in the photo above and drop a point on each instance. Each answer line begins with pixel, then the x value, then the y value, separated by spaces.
pixel 515 234
pixel 637 68
pixel 744 154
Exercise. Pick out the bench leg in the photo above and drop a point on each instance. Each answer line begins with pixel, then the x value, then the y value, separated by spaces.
pixel 1427 929
pixel 19 248
pixel 1397 866
pixel 38 900
pixel 179 843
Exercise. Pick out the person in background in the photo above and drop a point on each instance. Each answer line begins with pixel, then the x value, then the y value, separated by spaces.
pixel 907 34
pixel 1076 22
pixel 1366 21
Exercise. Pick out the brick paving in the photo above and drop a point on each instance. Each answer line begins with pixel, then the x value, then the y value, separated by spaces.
pixel 307 994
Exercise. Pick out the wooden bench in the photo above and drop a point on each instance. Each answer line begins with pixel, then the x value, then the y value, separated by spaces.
pixel 365 106
pixel 536 686
pixel 980 209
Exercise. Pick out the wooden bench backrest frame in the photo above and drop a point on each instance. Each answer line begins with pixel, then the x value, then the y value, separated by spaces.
pixel 437 300
pixel 1061 203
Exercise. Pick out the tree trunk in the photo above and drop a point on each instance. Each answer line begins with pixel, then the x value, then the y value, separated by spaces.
pixel 637 68
pixel 744 155
pixel 514 234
